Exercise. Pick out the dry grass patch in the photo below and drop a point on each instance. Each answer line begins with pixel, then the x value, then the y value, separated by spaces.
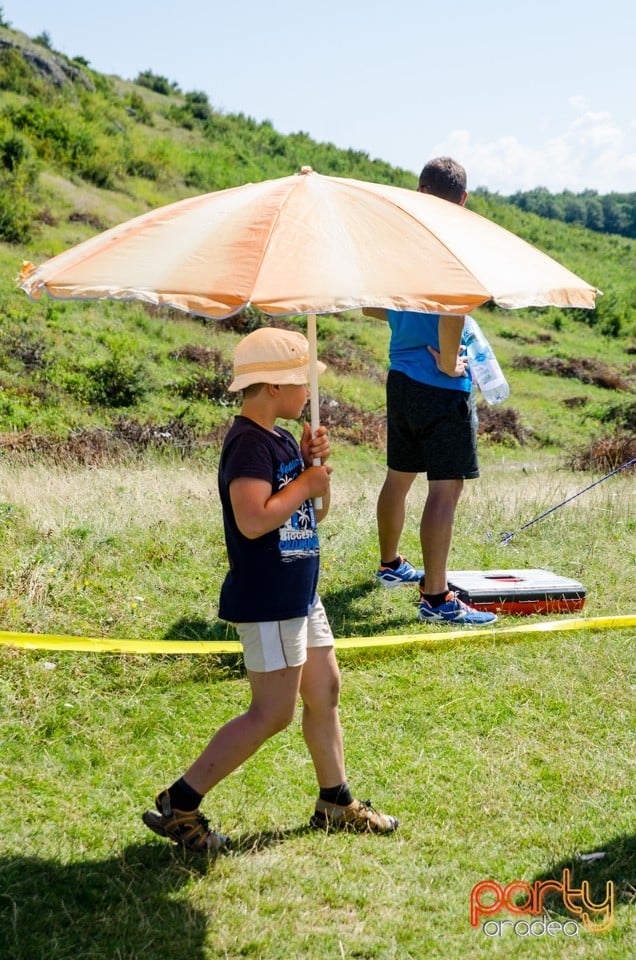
pixel 605 454
pixel 585 369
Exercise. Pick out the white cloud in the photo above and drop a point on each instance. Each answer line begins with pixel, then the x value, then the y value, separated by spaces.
pixel 593 152
pixel 579 102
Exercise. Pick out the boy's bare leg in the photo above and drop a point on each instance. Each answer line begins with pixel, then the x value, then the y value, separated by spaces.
pixel 436 531
pixel 391 512
pixel 274 698
pixel 320 690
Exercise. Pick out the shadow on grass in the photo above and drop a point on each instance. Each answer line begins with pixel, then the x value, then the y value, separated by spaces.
pixel 353 611
pixel 343 608
pixel 127 906
pixel 610 861
pixel 255 842
pixel 209 630
pixel 199 629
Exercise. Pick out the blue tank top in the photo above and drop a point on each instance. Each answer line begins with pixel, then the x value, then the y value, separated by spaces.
pixel 411 335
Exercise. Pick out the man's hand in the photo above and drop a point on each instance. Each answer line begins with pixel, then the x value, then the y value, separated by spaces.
pixel 461 363
pixel 449 358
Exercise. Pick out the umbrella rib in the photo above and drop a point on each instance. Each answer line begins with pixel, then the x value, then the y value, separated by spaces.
pixel 279 209
pixel 422 225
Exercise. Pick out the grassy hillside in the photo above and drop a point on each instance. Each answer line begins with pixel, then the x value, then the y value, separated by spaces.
pixel 80 152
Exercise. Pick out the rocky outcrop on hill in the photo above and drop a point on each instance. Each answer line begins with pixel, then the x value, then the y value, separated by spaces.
pixel 51 66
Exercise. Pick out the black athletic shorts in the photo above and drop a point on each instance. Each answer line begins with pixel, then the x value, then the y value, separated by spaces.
pixel 430 429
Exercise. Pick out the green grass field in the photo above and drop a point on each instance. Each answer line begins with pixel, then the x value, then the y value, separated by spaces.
pixel 505 758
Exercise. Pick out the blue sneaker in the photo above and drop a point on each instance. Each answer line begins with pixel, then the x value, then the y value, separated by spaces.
pixel 454 610
pixel 405 573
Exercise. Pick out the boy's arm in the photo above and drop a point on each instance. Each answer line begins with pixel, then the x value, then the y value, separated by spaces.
pixel 448 357
pixel 258 511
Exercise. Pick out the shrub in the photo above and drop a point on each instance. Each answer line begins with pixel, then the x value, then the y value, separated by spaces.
pixel 16 213
pixel 605 454
pixel 118 381
pixel 207 387
pixel 156 82
pixel 197 353
pixel 137 108
pixel 44 40
pixel 82 216
pixel 501 425
pixel 250 318
pixel 26 347
pixel 198 105
pixel 17 74
pixel 90 145
pixel 612 313
pixel 14 151
pixel 619 413
pixel 18 189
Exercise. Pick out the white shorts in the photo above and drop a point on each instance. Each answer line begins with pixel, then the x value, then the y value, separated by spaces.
pixel 277 644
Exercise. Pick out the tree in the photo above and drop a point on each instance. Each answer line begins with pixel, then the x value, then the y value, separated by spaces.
pixel 594 215
pixel 574 210
pixel 616 219
pixel 44 39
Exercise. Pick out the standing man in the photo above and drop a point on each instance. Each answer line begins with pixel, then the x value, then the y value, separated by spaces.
pixel 432 429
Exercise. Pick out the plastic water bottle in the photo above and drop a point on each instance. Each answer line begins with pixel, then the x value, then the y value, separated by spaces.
pixel 483 365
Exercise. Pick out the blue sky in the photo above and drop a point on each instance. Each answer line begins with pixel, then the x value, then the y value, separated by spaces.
pixel 524 95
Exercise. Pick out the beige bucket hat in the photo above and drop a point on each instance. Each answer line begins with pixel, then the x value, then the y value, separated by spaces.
pixel 270 355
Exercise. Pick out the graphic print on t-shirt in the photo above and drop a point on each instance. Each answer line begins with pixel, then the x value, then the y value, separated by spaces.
pixel 298 536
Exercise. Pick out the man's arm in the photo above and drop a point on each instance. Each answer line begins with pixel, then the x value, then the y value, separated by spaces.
pixel 448 357
pixel 378 312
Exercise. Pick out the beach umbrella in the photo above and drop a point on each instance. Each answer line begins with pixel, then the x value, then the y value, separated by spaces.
pixel 310 244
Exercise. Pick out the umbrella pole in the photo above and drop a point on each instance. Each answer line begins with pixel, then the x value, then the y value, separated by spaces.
pixel 314 399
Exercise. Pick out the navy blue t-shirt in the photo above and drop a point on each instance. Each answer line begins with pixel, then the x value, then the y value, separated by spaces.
pixel 273 577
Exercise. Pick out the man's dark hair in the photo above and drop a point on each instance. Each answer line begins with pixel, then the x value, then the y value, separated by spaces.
pixel 445 178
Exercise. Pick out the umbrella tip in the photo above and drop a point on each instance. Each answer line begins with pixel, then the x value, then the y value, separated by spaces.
pixel 306 170
pixel 26 269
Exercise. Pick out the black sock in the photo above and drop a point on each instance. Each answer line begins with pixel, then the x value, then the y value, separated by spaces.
pixel 435 599
pixel 393 565
pixel 183 796
pixel 340 794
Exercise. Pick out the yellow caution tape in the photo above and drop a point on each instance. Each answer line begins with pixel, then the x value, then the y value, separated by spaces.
pixel 550 626
pixel 44 641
